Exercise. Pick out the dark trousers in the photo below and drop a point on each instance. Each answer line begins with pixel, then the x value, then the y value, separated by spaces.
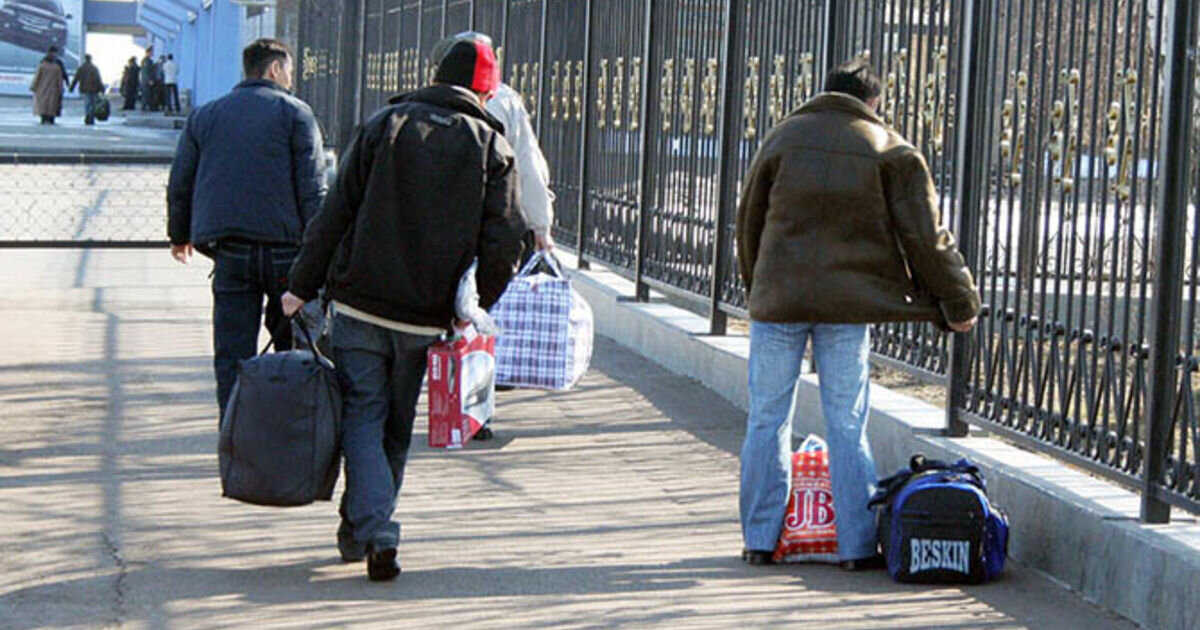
pixel 243 275
pixel 381 372
pixel 172 100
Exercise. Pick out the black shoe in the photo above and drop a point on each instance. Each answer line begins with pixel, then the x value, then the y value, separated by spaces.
pixel 758 558
pixel 869 563
pixel 382 565
pixel 350 551
pixel 484 434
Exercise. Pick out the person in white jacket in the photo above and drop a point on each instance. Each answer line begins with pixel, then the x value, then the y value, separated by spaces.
pixel 536 198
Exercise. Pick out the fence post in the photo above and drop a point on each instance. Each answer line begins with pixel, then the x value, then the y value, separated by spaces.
pixel 971 181
pixel 832 53
pixel 541 83
pixel 727 193
pixel 585 140
pixel 1171 211
pixel 645 173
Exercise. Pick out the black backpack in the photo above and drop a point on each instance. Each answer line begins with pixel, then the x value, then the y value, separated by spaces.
pixel 935 524
pixel 279 442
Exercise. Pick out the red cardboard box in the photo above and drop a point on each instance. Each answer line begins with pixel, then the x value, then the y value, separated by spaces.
pixel 462 388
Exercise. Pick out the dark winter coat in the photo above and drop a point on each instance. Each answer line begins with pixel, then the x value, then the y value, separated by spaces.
pixel 426 186
pixel 839 223
pixel 87 78
pixel 249 165
pixel 129 81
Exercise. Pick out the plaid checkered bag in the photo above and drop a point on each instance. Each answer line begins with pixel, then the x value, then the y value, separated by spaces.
pixel 545 339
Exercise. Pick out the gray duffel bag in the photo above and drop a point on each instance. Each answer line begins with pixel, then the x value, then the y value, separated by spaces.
pixel 279 442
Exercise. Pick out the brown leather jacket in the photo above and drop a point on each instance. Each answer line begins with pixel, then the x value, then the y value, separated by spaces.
pixel 839 223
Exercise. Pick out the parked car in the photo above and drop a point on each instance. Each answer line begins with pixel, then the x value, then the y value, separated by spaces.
pixel 34 24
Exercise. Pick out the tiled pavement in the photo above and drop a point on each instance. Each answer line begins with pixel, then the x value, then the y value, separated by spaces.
pixel 613 505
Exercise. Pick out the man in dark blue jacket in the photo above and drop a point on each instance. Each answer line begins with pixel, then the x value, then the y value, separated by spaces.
pixel 248 176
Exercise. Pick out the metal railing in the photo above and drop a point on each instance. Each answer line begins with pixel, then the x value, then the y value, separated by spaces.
pixel 83 200
pixel 1060 135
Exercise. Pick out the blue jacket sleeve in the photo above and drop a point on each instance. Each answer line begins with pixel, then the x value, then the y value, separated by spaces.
pixel 308 165
pixel 181 186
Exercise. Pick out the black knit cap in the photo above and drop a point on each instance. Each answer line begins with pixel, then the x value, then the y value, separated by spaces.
pixel 469 63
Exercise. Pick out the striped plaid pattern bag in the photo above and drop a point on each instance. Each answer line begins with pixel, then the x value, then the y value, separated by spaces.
pixel 545 339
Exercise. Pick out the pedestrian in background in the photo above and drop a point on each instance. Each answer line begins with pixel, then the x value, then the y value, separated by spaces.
pixel 160 86
pixel 91 86
pixel 129 84
pixel 47 88
pixel 507 106
pixel 537 200
pixel 248 176
pixel 149 71
pixel 53 53
pixel 838 227
pixel 170 72
pixel 427 186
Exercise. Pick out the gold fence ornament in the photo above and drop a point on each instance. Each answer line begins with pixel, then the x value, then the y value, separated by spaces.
pixel 778 90
pixel 635 94
pixel 666 93
pixel 308 64
pixel 618 91
pixel 750 94
pixel 602 95
pixel 554 68
pixel 687 95
pixel 578 98
pixel 708 97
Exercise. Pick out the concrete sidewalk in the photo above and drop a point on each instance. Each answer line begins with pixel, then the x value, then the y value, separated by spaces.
pixel 20 132
pixel 614 505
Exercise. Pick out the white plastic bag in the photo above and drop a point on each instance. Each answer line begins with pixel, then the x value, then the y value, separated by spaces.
pixel 466 303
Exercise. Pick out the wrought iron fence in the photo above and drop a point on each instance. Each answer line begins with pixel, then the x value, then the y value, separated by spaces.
pixel 76 201
pixel 1045 125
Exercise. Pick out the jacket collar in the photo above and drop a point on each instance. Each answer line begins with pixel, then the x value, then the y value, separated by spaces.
pixel 267 83
pixel 451 97
pixel 836 101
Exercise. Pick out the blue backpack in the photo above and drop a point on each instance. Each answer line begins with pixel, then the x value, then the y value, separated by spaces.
pixel 936 525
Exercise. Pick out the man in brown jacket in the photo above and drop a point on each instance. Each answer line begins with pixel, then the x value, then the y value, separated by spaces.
pixel 838 228
pixel 91 86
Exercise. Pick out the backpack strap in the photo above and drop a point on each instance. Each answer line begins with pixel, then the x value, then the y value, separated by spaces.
pixel 917 465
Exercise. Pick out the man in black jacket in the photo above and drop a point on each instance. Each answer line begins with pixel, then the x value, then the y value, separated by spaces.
pixel 426 186
pixel 247 178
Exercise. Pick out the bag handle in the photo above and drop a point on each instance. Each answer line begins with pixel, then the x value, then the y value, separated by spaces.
pixel 917 465
pixel 286 321
pixel 542 256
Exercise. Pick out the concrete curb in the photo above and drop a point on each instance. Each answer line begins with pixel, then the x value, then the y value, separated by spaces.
pixel 1077 529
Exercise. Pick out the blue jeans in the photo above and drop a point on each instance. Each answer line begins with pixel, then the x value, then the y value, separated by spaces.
pixel 841 353
pixel 243 273
pixel 90 100
pixel 381 373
